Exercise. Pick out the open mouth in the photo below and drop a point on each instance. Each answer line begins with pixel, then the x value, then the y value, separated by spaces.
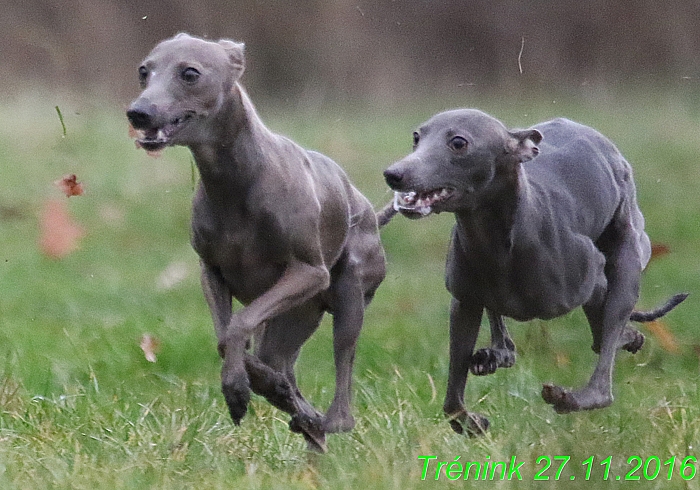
pixel 155 139
pixel 422 203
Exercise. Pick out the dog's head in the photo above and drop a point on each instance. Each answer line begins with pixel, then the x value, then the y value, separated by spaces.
pixel 459 157
pixel 184 79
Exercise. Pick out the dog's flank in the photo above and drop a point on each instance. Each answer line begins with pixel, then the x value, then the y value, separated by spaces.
pixel 278 228
pixel 531 240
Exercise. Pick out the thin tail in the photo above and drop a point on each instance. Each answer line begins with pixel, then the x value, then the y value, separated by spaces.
pixel 385 215
pixel 650 316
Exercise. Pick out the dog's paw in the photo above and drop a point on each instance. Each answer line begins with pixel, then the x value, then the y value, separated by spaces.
pixel 335 422
pixel 565 401
pixel 635 343
pixel 562 400
pixel 312 430
pixel 237 396
pixel 469 423
pixel 486 361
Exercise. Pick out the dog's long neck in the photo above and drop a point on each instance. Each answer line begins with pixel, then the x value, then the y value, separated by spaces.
pixel 489 226
pixel 231 160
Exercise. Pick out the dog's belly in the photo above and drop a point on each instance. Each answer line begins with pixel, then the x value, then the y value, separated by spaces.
pixel 543 285
pixel 523 305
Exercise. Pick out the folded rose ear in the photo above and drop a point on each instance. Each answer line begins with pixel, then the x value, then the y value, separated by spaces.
pixel 525 144
pixel 236 54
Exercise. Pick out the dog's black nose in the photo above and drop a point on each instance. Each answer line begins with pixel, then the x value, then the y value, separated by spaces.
pixel 142 114
pixel 393 177
pixel 139 118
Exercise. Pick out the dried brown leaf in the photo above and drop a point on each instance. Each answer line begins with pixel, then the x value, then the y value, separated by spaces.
pixel 659 250
pixel 150 346
pixel 69 185
pixel 666 339
pixel 59 234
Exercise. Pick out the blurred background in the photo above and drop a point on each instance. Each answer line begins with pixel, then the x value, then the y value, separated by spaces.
pixel 386 51
pixel 97 287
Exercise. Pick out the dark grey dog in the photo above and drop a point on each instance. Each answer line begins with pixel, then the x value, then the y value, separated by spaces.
pixel 279 228
pixel 532 240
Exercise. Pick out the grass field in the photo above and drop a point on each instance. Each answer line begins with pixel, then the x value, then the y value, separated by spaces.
pixel 81 407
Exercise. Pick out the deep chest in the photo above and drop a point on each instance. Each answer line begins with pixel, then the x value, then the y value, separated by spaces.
pixel 533 279
pixel 250 254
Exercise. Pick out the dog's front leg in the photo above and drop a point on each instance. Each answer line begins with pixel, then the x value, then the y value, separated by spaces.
pixel 218 297
pixel 465 321
pixel 299 283
pixel 501 354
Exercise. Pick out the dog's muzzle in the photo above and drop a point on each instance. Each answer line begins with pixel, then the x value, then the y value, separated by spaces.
pixel 412 203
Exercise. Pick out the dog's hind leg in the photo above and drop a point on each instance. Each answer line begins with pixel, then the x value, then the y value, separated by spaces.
pixel 630 339
pixel 610 316
pixel 356 277
pixel 278 350
pixel 501 354
pixel 465 321
pixel 348 315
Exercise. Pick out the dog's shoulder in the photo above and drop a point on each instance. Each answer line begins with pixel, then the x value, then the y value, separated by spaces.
pixel 566 140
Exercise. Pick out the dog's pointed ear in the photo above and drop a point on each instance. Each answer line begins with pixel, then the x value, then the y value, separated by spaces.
pixel 524 144
pixel 236 54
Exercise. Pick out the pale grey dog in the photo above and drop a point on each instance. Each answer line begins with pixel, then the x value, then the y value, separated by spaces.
pixel 532 239
pixel 278 228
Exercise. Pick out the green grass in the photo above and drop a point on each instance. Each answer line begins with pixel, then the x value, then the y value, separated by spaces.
pixel 80 407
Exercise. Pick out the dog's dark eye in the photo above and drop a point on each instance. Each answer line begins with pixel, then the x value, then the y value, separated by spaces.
pixel 143 75
pixel 458 143
pixel 190 75
pixel 416 139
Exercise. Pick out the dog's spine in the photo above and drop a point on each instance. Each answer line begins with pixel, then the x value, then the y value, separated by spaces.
pixel 650 316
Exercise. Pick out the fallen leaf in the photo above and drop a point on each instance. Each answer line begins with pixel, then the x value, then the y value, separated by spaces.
pixel 59 234
pixel 70 186
pixel 173 275
pixel 150 345
pixel 658 250
pixel 666 339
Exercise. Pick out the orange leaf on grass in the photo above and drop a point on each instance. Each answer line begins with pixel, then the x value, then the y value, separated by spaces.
pixel 666 339
pixel 150 346
pixel 659 250
pixel 59 234
pixel 70 186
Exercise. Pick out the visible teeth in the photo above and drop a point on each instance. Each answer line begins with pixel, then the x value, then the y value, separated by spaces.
pixel 397 201
pixel 161 134
pixel 421 203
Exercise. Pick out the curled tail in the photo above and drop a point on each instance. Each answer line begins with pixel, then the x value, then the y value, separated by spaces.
pixel 388 212
pixel 650 316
